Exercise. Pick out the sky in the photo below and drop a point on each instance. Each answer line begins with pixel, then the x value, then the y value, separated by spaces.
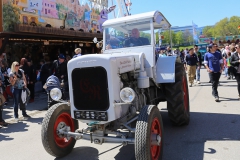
pixel 183 12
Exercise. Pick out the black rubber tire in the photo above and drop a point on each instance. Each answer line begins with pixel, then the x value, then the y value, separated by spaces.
pixel 47 132
pixel 178 110
pixel 143 131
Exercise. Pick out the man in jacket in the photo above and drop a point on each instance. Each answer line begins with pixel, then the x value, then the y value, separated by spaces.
pixel 32 80
pixel 235 62
pixel 199 63
pixel 59 68
pixel 191 60
pixel 214 64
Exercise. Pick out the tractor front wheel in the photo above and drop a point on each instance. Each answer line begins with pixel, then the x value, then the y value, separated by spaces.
pixel 57 117
pixel 149 134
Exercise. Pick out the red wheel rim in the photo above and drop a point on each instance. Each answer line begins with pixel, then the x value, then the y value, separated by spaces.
pixel 156 129
pixel 185 92
pixel 67 119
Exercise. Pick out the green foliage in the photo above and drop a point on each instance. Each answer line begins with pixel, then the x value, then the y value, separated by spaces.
pixel 179 37
pixel 119 33
pixel 167 39
pixel 225 27
pixel 146 35
pixel 10 17
pixel 97 11
pixel 207 31
pixel 166 35
pixel 61 11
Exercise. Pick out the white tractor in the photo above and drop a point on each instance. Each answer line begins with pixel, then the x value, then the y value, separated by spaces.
pixel 117 93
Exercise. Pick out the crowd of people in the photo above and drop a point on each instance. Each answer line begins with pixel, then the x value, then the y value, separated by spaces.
pixel 216 61
pixel 18 82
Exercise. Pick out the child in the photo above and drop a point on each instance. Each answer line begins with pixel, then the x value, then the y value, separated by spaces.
pixel 225 67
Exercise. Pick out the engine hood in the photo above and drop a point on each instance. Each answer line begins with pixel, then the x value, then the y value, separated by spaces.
pixel 123 62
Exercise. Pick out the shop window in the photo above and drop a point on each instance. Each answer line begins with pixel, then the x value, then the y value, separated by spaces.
pixel 25 20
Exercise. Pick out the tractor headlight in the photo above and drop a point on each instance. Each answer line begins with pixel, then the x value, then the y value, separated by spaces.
pixel 127 95
pixel 56 94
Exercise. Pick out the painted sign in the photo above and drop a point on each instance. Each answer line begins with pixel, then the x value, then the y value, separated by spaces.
pixel 77 14
pixel 125 64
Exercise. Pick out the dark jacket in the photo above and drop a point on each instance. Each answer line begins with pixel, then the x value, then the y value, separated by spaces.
pixel 131 42
pixel 191 60
pixel 45 72
pixel 60 69
pixel 32 74
pixel 199 57
pixel 234 61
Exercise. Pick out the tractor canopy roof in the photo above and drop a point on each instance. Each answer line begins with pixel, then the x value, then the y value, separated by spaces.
pixel 159 21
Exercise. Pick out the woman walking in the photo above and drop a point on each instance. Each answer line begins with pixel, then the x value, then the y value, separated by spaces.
pixel 18 82
pixel 235 62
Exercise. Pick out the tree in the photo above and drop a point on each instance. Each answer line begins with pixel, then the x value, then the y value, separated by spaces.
pixel 225 27
pixel 207 31
pixel 179 37
pixel 167 39
pixel 146 35
pixel 186 36
pixel 10 17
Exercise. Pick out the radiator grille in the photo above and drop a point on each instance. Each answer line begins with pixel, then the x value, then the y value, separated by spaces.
pixel 90 88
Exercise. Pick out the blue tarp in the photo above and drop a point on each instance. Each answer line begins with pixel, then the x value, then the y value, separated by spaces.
pixel 52 82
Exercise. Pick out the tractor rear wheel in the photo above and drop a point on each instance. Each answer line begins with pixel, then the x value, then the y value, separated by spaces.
pixel 149 134
pixel 177 97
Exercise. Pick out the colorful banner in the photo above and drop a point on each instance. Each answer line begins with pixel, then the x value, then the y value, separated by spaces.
pixel 63 14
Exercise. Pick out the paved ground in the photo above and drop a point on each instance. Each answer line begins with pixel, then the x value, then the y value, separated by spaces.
pixel 213 133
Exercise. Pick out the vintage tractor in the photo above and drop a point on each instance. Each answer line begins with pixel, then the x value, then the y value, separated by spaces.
pixel 117 93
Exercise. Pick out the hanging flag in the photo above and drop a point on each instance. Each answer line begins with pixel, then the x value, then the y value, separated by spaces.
pixel 110 9
pixel 238 27
pixel 195 36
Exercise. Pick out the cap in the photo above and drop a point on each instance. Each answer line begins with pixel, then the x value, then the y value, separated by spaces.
pixel 210 45
pixel 61 56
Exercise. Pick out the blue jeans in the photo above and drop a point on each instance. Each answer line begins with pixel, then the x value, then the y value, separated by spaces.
pixel 226 71
pixel 18 101
pixel 198 74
